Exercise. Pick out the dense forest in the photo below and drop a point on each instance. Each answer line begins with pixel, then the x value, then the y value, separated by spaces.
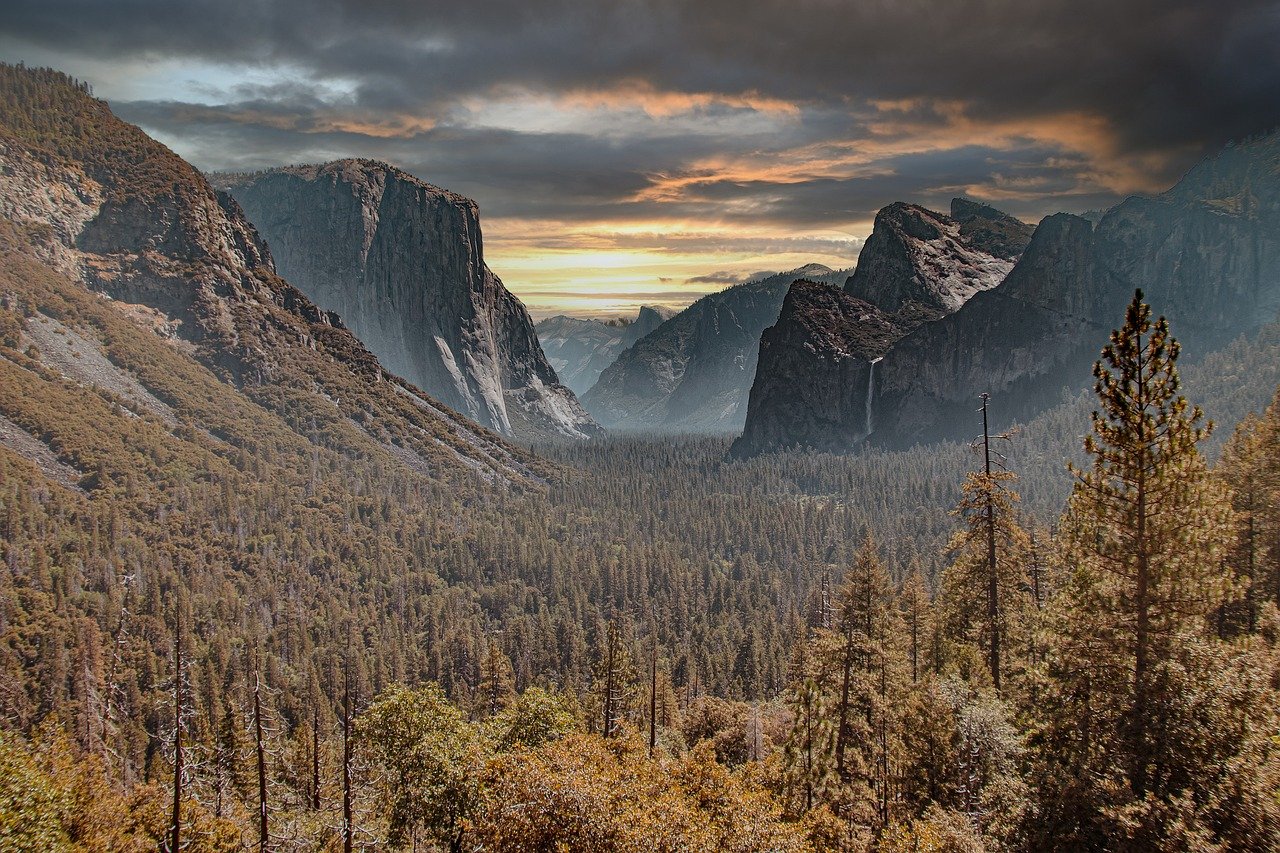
pixel 885 651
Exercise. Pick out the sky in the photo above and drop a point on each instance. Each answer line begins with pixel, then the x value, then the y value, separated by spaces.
pixel 650 151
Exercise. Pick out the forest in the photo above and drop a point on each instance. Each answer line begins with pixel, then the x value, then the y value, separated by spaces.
pixel 229 632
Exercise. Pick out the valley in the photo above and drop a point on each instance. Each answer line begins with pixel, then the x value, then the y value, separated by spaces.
pixel 313 540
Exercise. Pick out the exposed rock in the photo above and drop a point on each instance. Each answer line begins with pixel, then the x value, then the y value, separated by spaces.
pixel 817 375
pixel 694 372
pixel 132 221
pixel 838 340
pixel 580 349
pixel 1206 254
pixel 916 259
pixel 402 263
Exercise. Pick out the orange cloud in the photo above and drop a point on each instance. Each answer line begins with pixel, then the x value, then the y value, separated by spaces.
pixel 381 125
pixel 642 95
pixel 918 126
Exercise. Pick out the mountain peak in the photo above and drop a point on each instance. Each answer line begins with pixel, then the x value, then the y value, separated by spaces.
pixel 917 259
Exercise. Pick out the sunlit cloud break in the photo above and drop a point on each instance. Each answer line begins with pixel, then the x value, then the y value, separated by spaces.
pixel 654 151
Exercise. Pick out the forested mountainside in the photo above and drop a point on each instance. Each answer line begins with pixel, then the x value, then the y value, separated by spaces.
pixel 580 349
pixel 1206 252
pixel 247 571
pixel 693 373
pixel 402 263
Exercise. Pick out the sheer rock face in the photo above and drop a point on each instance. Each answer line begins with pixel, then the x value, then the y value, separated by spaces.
pixel 581 349
pixel 694 372
pixel 104 205
pixel 402 263
pixel 1206 254
pixel 813 385
pixel 836 341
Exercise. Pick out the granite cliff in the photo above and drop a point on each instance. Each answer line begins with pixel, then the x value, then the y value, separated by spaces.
pixel 1206 254
pixel 818 363
pixel 402 263
pixel 920 262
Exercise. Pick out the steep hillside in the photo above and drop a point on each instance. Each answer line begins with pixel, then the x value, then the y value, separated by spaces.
pixel 402 263
pixel 97 205
pixel 1206 254
pixel 693 373
pixel 580 349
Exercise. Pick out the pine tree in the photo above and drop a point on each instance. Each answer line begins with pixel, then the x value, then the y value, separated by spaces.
pixel 984 587
pixel 916 609
pixel 1244 469
pixel 497 682
pixel 1150 517
pixel 808 754
pixel 1151 724
pixel 867 676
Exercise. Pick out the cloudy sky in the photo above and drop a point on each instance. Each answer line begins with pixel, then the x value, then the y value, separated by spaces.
pixel 653 150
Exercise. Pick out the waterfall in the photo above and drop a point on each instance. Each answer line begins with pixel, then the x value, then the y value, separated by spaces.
pixel 871 384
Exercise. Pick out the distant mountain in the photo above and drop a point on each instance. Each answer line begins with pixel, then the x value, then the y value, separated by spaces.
pixel 693 373
pixel 1206 254
pixel 402 263
pixel 580 349
pixel 141 284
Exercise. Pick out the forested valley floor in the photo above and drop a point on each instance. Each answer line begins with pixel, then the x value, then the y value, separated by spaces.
pixel 653 648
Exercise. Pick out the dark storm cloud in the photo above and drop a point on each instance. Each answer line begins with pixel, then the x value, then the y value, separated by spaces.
pixel 1162 70
pixel 1164 81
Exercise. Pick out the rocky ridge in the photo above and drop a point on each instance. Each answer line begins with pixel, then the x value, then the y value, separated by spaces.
pixel 1206 254
pixel 580 349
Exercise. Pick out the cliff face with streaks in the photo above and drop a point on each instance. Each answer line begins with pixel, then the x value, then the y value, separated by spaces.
pixel 402 263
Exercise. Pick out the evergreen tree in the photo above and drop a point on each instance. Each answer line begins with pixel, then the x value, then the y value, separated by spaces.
pixel 984 587
pixel 868 676
pixel 1145 738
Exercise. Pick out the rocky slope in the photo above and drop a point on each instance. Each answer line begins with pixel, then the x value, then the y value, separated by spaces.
pixel 694 372
pixel 112 241
pixel 1206 253
pixel 402 263
pixel 920 261
pixel 580 349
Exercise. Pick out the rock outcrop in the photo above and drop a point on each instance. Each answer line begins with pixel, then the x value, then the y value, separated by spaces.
pixel 402 263
pixel 694 372
pixel 818 369
pixel 89 201
pixel 922 262
pixel 1206 254
pixel 580 349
